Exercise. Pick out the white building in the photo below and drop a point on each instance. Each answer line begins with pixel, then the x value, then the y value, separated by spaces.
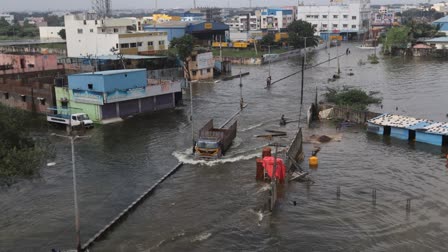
pixel 9 18
pixel 50 32
pixel 440 7
pixel 253 22
pixel 277 19
pixel 87 35
pixel 348 20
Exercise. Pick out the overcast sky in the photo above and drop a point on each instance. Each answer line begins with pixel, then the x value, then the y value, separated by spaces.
pixel 43 5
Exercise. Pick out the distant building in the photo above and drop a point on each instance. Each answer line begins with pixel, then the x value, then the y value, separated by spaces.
pixel 249 21
pixel 438 43
pixel 348 20
pixel 205 32
pixel 443 24
pixel 87 35
pixel 11 63
pixel 162 18
pixel 50 32
pixel 383 18
pixel 440 7
pixel 8 17
pixel 276 19
pixel 192 17
pixel 201 66
pixel 115 94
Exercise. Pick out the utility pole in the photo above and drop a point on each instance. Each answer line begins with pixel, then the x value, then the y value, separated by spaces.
pixel 250 3
pixel 305 48
pixel 337 55
pixel 301 91
pixel 75 190
pixel 194 4
pixel 156 5
pixel 241 88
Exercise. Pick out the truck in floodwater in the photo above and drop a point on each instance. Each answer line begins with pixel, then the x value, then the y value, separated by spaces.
pixel 214 142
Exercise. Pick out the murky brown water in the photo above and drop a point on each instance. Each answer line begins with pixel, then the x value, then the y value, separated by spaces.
pixel 206 207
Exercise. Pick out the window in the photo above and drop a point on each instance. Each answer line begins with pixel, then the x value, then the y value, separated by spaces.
pixel 345 25
pixel 96 22
pixel 41 100
pixel 335 25
pixel 324 25
pixel 150 43
pixel 116 45
pixel 208 70
pixel 91 30
pixel 126 45
pixel 139 44
pixel 133 45
pixel 162 42
pixel 335 16
pixel 6 95
pixel 324 16
pixel 354 26
pixel 194 72
pixel 79 31
pixel 85 22
pixel 23 98
pixel 90 86
pixel 345 16
pixel 353 17
pixel 64 104
pixel 115 30
pixel 103 30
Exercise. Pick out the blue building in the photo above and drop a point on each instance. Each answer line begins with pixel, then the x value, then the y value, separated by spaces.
pixel 443 24
pixel 410 128
pixel 203 31
pixel 116 94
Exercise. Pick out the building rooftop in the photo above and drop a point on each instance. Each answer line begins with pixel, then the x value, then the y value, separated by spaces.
pixel 170 24
pixel 438 40
pixel 126 56
pixel 441 20
pixel 411 123
pixel 112 72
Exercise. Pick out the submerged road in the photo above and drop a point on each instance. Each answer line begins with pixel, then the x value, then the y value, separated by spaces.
pixel 215 205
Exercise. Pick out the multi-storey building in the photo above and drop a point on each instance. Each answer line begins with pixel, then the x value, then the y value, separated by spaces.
pixel 277 19
pixel 87 35
pixel 249 21
pixel 8 18
pixel 349 20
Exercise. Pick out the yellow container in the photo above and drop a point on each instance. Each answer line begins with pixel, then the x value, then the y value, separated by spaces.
pixel 313 161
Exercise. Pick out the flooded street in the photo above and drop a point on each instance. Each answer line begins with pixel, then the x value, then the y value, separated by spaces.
pixel 208 206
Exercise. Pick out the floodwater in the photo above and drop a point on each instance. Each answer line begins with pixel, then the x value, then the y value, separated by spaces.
pixel 209 206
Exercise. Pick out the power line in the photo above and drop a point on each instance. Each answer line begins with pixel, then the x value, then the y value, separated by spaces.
pixel 318 64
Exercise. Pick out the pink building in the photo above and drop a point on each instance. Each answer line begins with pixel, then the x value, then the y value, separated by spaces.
pixel 28 62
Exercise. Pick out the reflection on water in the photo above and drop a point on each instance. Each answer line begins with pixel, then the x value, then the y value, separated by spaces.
pixel 214 205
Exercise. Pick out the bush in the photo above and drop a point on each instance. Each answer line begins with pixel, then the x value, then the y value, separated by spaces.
pixel 351 97
pixel 20 155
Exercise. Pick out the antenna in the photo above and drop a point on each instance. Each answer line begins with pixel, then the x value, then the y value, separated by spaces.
pixel 156 5
pixel 250 3
pixel 194 4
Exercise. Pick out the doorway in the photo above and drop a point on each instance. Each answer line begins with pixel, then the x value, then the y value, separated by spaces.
pixel 387 130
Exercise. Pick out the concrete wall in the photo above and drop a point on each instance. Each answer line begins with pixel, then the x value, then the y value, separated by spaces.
pixel 50 32
pixel 29 62
pixel 353 115
pixel 27 95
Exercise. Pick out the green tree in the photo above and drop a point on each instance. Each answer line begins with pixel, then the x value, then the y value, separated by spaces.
pixel 53 20
pixel 184 46
pixel 61 34
pixel 351 97
pixel 299 30
pixel 396 37
pixel 4 27
pixel 20 155
pixel 267 40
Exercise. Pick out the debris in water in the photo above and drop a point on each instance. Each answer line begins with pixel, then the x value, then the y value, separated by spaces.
pixel 324 139
pixel 51 164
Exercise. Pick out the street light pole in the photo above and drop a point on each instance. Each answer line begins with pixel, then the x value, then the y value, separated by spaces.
pixel 75 190
pixel 75 193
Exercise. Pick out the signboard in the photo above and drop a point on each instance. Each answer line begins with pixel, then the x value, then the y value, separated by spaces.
pixel 205 60
pixel 90 97
pixel 208 26
pixel 124 95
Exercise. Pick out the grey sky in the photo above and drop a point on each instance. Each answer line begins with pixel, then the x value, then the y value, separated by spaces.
pixel 42 5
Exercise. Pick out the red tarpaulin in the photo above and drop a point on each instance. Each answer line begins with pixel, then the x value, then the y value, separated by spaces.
pixel 268 164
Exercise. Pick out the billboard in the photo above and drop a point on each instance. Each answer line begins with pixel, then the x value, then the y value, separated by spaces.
pixel 90 97
pixel 205 60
